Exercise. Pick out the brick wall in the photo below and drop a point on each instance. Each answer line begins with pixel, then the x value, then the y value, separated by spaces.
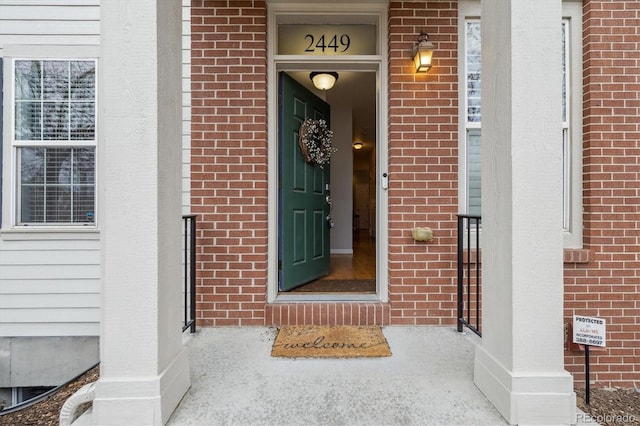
pixel 605 282
pixel 229 159
pixel 423 164
pixel 229 174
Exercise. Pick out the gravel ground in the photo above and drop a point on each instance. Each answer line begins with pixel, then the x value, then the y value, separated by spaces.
pixel 609 407
pixel 47 411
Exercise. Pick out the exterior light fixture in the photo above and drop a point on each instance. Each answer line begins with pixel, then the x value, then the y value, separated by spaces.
pixel 422 53
pixel 358 145
pixel 323 80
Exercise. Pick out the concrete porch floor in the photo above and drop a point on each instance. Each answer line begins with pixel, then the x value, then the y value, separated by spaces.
pixel 427 381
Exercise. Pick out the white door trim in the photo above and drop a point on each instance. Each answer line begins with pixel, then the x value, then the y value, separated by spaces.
pixel 360 12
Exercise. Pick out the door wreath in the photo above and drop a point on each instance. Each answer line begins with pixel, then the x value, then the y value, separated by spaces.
pixel 315 142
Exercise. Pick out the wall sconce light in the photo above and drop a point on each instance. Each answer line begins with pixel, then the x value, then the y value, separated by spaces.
pixel 358 145
pixel 422 53
pixel 323 80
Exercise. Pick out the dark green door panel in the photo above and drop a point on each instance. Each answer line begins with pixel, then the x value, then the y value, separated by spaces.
pixel 303 190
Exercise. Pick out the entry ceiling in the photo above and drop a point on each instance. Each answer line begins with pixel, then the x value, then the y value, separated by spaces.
pixel 357 89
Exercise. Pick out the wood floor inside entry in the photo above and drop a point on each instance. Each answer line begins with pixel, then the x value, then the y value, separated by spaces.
pixel 352 273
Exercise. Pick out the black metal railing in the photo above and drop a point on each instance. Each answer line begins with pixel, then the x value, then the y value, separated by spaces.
pixel 189 266
pixel 469 274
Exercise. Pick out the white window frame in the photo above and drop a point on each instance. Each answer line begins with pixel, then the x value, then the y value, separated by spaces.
pixel 572 229
pixel 572 127
pixel 10 181
pixel 469 126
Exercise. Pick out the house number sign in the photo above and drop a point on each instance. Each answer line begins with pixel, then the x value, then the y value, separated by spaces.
pixel 327 40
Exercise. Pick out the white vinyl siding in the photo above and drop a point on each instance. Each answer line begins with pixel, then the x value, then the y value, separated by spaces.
pixel 49 286
pixel 55 22
pixel 473 172
pixel 49 280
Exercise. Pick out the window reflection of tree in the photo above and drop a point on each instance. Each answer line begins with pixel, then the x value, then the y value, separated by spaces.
pixel 64 177
pixel 55 101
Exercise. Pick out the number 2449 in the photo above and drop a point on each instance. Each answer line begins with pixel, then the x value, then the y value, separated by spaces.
pixel 335 43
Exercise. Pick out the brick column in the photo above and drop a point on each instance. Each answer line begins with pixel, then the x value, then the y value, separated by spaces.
pixel 519 365
pixel 144 368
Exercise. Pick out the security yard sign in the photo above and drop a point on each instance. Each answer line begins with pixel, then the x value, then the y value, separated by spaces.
pixel 590 331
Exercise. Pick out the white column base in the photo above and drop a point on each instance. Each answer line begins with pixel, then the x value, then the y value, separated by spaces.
pixel 535 398
pixel 144 400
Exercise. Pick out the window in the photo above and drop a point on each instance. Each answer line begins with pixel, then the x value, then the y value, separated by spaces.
pixel 571 142
pixel 472 114
pixel 1 132
pixel 54 140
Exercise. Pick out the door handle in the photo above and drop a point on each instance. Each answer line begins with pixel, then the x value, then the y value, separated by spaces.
pixel 328 200
pixel 330 221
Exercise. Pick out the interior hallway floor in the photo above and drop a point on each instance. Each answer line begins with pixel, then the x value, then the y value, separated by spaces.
pixel 349 273
pixel 427 381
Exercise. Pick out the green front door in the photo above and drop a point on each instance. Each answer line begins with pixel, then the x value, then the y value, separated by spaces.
pixel 303 192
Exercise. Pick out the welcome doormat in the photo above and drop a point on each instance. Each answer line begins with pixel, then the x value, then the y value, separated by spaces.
pixel 311 341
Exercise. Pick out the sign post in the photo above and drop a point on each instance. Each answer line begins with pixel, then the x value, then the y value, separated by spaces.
pixel 589 331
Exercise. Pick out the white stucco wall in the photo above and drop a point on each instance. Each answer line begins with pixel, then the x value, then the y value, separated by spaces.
pixel 519 363
pixel 341 179
pixel 141 263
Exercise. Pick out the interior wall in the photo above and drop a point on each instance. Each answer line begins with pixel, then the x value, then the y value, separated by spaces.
pixel 341 177
pixel 372 192
pixel 362 194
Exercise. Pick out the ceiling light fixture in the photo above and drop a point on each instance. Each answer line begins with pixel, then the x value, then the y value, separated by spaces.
pixel 323 80
pixel 422 53
pixel 358 145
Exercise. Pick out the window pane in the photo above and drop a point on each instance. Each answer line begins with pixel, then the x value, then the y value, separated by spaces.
pixel 28 80
pixel 565 28
pixel 28 125
pixel 55 100
pixel 82 121
pixel 84 166
pixel 55 121
pixel 57 185
pixel 55 80
pixel 83 77
pixel 58 166
pixel 83 203
pixel 32 162
pixel 32 210
pixel 58 202
pixel 472 71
